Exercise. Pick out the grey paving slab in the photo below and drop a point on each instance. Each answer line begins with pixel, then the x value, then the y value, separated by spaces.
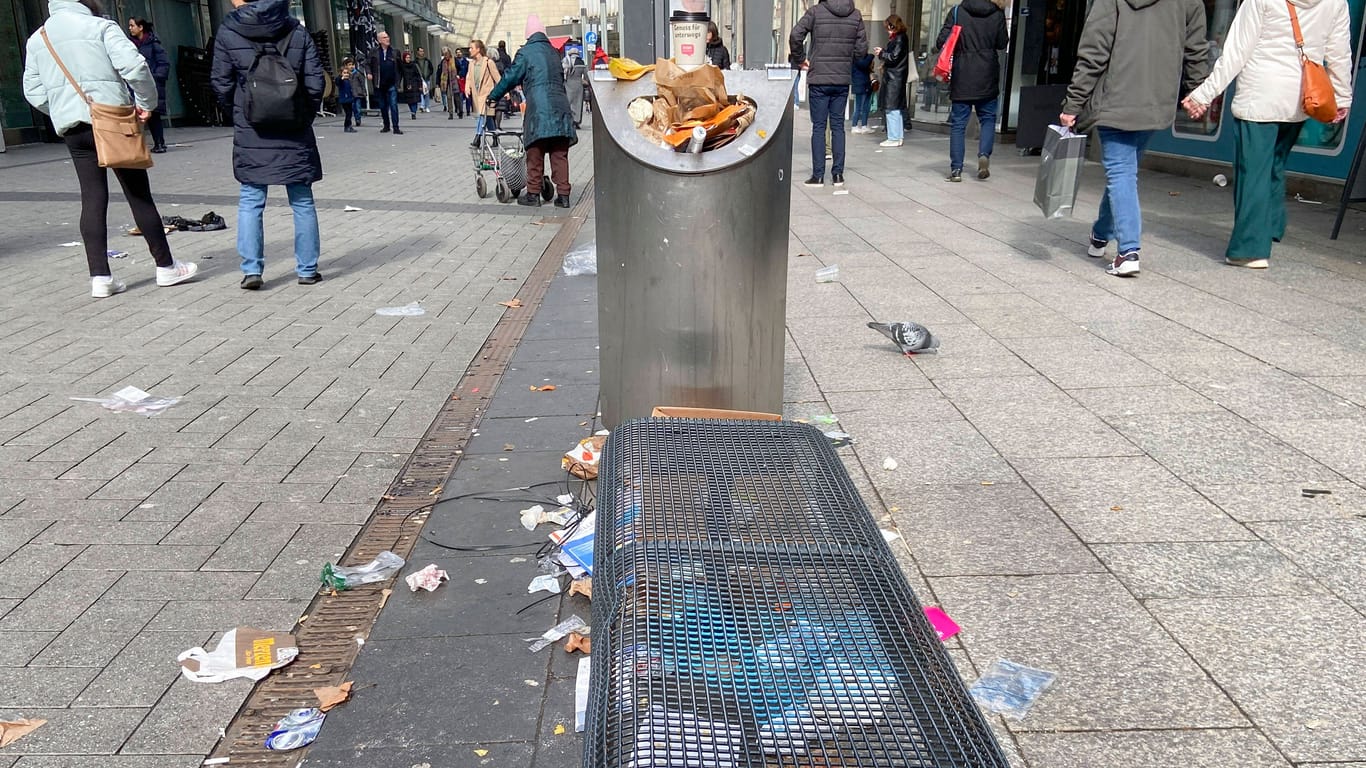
pixel 1101 643
pixel 15 533
pixel 35 687
pixel 173 501
pixel 142 672
pixel 110 761
pixel 32 564
pixel 140 557
pixel 1351 388
pixel 976 529
pixel 1285 500
pixel 862 361
pixel 58 602
pixel 1266 653
pixel 82 532
pixel 75 732
pixel 1115 402
pixel 167 731
pixel 98 635
pixel 302 559
pixel 563 401
pixel 1215 447
pixel 252 546
pixel 1152 749
pixel 1336 443
pixel 17 647
pixel 1333 551
pixel 1271 395
pixel 220 615
pixel 1206 569
pixel 546 433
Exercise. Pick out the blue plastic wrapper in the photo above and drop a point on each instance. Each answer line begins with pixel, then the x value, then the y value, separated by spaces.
pixel 297 729
pixel 1010 689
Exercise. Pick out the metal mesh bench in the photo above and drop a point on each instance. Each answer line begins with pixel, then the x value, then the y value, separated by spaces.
pixel 748 614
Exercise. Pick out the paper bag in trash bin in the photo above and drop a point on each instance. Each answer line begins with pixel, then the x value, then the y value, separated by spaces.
pixel 1055 189
pixel 242 652
pixel 685 91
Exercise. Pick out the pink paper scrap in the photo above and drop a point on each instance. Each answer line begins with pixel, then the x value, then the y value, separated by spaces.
pixel 941 622
pixel 428 578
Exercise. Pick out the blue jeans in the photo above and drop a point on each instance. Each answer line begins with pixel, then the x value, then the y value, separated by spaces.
pixel 357 107
pixel 251 230
pixel 827 104
pixel 861 103
pixel 958 128
pixel 388 105
pixel 1120 218
pixel 479 121
pixel 896 128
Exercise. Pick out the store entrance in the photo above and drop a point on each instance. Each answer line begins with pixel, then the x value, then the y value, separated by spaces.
pixel 1044 38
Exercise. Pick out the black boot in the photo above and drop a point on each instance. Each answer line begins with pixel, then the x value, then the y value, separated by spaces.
pixel 531 199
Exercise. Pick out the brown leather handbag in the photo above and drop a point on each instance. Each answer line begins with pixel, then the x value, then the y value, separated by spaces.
pixel 117 130
pixel 1316 90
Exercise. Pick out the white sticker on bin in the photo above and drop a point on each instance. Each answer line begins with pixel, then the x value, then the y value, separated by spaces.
pixel 748 150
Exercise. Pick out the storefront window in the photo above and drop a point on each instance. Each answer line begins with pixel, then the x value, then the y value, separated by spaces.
pixel 1329 138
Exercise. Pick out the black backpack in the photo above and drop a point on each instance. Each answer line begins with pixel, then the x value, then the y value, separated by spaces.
pixel 276 97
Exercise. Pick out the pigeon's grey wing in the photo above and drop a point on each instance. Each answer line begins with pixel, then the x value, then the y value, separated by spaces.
pixel 886 329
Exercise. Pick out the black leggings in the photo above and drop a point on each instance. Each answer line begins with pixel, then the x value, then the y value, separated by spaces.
pixel 80 141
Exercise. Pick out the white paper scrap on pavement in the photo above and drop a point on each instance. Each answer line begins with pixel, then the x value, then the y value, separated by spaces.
pixel 581 693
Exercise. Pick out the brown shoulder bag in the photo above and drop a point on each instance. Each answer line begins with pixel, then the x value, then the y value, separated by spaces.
pixel 118 132
pixel 1316 90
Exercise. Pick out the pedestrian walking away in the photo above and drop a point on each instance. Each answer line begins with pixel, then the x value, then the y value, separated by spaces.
pixel 427 70
pixel 149 45
pixel 462 71
pixel 106 65
pixel 383 73
pixel 837 38
pixel 410 83
pixel 452 94
pixel 975 81
pixel 861 86
pixel 548 125
pixel 1134 60
pixel 484 76
pixel 346 94
pixel 1262 54
pixel 717 55
pixel 896 68
pixel 283 151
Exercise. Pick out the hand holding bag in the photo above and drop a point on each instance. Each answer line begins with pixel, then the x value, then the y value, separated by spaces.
pixel 117 129
pixel 943 66
pixel 1055 188
pixel 1316 90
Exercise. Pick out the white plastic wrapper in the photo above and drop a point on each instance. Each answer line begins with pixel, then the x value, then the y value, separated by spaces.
pixel 132 400
pixel 582 260
pixel 407 310
pixel 242 652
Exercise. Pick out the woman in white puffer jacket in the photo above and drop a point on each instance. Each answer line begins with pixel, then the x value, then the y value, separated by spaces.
pixel 106 64
pixel 1267 109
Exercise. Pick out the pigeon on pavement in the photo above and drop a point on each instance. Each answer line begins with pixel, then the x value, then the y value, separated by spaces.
pixel 910 338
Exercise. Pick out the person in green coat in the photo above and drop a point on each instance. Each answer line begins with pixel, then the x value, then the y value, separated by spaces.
pixel 548 126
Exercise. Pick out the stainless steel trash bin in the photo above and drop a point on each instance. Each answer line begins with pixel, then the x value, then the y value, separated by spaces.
pixel 692 257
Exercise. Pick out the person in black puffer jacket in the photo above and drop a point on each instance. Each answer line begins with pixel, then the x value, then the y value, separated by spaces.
pixel 975 83
pixel 837 38
pixel 717 55
pixel 264 156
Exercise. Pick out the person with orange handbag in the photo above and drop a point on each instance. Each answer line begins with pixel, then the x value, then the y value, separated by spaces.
pixel 1263 52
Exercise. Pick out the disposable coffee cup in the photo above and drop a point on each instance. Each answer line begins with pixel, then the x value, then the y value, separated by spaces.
pixel 688 30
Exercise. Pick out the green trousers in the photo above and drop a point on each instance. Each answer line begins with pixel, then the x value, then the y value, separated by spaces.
pixel 1259 187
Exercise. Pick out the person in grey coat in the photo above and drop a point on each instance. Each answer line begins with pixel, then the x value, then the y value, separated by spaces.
pixel 261 156
pixel 1134 58
pixel 548 126
pixel 837 38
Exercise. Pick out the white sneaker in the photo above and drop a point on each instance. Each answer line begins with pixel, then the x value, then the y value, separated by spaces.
pixel 890 143
pixel 104 287
pixel 178 272
pixel 1249 263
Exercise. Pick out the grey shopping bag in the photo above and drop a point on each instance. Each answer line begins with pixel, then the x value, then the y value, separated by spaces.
pixel 1055 189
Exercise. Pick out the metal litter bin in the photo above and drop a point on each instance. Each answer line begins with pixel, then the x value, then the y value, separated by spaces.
pixel 692 257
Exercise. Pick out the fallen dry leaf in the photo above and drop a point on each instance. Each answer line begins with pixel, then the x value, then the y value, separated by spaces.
pixel 559 729
pixel 583 587
pixel 509 447
pixel 545 388
pixel 1116 509
pixel 13 730
pixel 511 303
pixel 315 666
pixel 333 695
pixel 481 752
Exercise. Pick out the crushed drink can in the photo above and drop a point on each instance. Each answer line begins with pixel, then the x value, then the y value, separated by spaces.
pixel 297 729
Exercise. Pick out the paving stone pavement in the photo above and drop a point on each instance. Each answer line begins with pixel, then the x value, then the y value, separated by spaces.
pixel 125 540
pixel 1097 476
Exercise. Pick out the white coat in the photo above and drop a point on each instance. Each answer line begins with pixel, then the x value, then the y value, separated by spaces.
pixel 97 53
pixel 1260 52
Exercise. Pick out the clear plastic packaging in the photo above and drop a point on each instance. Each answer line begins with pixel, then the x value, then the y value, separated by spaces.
pixel 557 632
pixel 828 274
pixel 407 310
pixel 1010 689
pixel 297 729
pixel 582 260
pixel 132 400
pixel 382 568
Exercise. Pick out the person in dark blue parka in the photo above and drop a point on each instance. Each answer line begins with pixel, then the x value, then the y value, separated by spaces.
pixel 149 45
pixel 265 156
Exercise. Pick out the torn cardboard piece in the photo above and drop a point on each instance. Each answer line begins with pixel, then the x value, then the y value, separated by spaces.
pixel 332 695
pixel 14 730
pixel 243 652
